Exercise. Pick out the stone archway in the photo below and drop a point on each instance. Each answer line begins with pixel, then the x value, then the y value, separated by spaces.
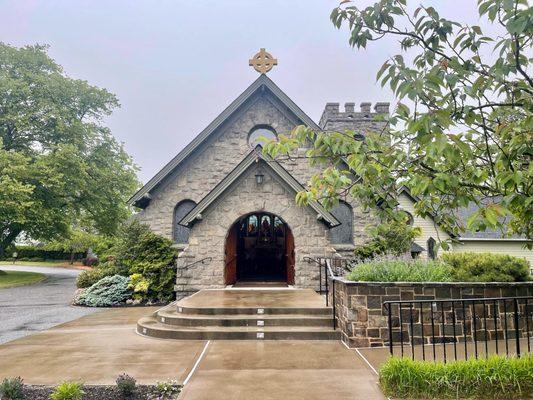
pixel 259 247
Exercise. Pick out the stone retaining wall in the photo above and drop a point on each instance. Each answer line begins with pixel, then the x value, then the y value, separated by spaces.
pixel 364 321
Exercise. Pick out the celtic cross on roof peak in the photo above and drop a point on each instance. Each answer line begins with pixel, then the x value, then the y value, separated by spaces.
pixel 263 61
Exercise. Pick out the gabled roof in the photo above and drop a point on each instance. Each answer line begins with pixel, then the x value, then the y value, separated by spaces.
pixel 238 171
pixel 405 190
pixel 259 84
pixel 462 215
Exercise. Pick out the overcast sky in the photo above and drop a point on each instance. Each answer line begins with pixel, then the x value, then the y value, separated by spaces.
pixel 175 65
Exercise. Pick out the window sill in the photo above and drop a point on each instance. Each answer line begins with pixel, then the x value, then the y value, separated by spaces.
pixel 344 247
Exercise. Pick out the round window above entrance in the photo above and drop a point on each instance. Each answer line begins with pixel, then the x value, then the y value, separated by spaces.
pixel 259 134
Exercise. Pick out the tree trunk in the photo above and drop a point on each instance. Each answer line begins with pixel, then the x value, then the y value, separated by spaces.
pixel 4 243
pixel 72 257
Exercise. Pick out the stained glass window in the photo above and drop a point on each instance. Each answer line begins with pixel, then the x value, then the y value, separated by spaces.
pixel 252 225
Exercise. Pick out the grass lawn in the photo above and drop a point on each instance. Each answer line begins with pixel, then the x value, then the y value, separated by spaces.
pixel 52 263
pixel 18 278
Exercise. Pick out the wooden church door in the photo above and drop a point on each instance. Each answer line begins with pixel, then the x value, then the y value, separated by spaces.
pixel 289 257
pixel 230 269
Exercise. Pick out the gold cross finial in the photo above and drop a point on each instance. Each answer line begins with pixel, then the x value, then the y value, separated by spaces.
pixel 263 61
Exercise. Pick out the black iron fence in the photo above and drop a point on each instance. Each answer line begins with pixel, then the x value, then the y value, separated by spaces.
pixel 460 328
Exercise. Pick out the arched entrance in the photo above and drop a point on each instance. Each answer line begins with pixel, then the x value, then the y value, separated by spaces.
pixel 259 247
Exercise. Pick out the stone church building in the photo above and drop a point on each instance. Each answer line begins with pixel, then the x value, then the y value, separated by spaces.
pixel 232 211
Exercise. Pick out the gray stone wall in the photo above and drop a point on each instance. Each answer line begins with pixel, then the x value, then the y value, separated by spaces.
pixel 359 121
pixel 210 163
pixel 208 236
pixel 363 319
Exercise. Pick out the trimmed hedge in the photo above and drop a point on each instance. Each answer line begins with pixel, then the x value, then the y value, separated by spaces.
pixel 400 271
pixel 28 253
pixel 495 378
pixel 487 267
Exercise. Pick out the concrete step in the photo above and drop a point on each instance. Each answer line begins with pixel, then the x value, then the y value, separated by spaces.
pixel 317 311
pixel 150 326
pixel 170 316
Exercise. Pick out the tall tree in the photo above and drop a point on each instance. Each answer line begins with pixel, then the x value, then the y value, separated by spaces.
pixel 59 166
pixel 463 133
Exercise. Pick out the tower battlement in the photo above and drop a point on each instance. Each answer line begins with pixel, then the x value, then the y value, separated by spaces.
pixel 365 119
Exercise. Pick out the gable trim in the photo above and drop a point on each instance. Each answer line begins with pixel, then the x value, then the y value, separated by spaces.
pixel 238 171
pixel 262 81
pixel 407 192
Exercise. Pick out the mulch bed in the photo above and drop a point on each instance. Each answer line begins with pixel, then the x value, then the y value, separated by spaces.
pixel 97 392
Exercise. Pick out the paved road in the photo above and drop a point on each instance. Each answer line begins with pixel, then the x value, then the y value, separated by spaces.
pixel 28 309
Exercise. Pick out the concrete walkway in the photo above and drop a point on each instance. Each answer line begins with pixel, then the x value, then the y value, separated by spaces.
pixel 95 349
pixel 99 347
pixel 25 310
pixel 281 370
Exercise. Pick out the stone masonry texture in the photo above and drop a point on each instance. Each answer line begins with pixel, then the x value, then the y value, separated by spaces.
pixel 209 164
pixel 363 319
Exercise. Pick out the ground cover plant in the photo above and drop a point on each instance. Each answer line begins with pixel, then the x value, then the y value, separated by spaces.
pixel 487 267
pixel 19 278
pixel 167 389
pixel 126 385
pixel 11 388
pixel 494 378
pixel 68 391
pixel 397 270
pixel 160 391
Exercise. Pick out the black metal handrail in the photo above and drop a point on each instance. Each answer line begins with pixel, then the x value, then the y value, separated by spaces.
pixel 203 260
pixel 327 269
pixel 473 320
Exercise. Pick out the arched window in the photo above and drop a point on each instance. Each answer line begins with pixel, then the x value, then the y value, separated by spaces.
pixel 181 233
pixel 259 133
pixel 409 218
pixel 342 234
pixel 432 250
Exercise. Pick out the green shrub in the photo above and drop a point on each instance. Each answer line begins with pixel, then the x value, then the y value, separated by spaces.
pixel 108 291
pixel 487 267
pixel 90 277
pixel 393 237
pixel 493 378
pixel 126 385
pixel 147 258
pixel 140 251
pixel 168 389
pixel 11 388
pixel 68 391
pixel 400 271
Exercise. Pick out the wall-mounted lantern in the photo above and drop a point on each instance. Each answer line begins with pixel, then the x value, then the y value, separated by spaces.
pixel 259 177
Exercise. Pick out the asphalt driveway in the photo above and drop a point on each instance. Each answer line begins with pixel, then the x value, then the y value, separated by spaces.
pixel 28 309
